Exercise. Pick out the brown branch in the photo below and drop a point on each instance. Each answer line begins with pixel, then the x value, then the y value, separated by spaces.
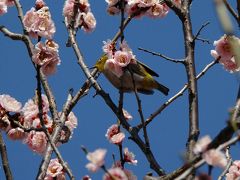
pixel 163 56
pixel 177 95
pixel 231 10
pixel 5 163
pixel 200 30
pixel 229 163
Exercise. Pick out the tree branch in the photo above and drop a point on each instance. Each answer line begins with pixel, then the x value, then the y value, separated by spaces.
pixel 4 156
pixel 163 56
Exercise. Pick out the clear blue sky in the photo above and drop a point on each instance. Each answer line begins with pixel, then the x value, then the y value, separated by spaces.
pixel 168 132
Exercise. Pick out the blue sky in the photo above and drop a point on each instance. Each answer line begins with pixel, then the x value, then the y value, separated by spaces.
pixel 168 132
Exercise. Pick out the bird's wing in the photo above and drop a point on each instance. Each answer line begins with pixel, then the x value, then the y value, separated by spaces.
pixel 148 69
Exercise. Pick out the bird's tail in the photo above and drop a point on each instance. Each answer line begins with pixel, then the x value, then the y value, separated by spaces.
pixel 162 88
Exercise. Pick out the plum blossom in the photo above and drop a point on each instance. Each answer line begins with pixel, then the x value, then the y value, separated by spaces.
pixel 55 170
pixel 129 157
pixel 234 171
pixel 202 144
pixel 36 141
pixel 71 121
pixel 38 22
pixel 108 47
pixel 112 65
pixel 116 173
pixel 129 174
pixel 114 135
pixel 84 17
pixel 96 159
pixel 86 177
pixel 89 22
pixel 224 51
pixel 215 157
pixel 3 7
pixel 123 58
pixel 16 134
pixel 46 56
pixel 9 103
pixel 127 115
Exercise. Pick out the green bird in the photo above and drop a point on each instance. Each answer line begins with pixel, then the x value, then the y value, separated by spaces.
pixel 135 75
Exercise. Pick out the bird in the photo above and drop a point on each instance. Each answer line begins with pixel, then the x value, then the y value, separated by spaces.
pixel 136 76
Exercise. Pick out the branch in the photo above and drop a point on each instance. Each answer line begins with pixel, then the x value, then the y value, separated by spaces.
pixel 199 31
pixel 176 96
pixel 163 56
pixel 13 36
pixel 229 159
pixel 231 10
pixel 5 162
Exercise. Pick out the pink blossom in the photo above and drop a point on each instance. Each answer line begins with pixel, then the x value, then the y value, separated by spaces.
pixel 36 141
pixel 113 67
pixel 9 104
pixel 224 51
pixel 215 158
pixel 84 6
pixel 71 121
pixel 147 3
pixel 96 159
pixel 16 133
pixel 10 2
pixel 86 177
pixel 234 171
pixel 108 47
pixel 127 115
pixel 223 47
pixel 123 58
pixel 129 157
pixel 39 4
pixel 89 22
pixel 111 2
pixel 130 174
pixel 114 135
pixel 158 10
pixel 54 169
pixel 46 56
pixel 68 10
pixel 39 23
pixel 202 144
pixel 3 7
pixel 116 173
pixel 112 10
pixel 117 138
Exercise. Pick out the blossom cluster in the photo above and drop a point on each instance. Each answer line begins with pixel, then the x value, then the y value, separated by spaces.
pixel 38 21
pixel 96 159
pixel 234 171
pixel 46 56
pixel 84 17
pixel 213 157
pixel 117 59
pixel 4 4
pixel 23 123
pixel 55 171
pixel 224 50
pixel 139 8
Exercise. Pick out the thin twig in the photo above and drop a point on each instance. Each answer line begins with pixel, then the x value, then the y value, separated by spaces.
pixel 203 40
pixel 199 31
pixel 163 56
pixel 229 163
pixel 40 108
pixel 5 163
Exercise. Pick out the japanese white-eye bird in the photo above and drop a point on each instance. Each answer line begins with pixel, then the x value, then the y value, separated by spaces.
pixel 135 75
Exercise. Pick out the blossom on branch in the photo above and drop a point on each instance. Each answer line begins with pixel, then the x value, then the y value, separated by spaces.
pixel 36 141
pixel 114 135
pixel 55 171
pixel 4 4
pixel 96 159
pixel 116 174
pixel 9 104
pixel 224 49
pixel 46 55
pixel 234 171
pixel 84 17
pixel 38 22
pixel 129 157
